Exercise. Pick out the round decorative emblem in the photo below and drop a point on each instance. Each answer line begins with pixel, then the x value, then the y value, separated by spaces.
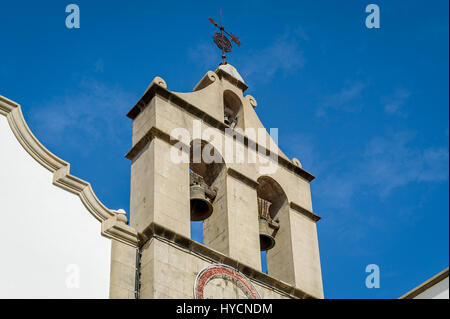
pixel 219 271
pixel 222 42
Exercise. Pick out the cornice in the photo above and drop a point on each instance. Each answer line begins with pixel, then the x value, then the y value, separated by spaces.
pixel 156 133
pixel 60 169
pixel 239 176
pixel 223 74
pixel 116 227
pixel 305 212
pixel 426 285
pixel 156 89
pixel 162 233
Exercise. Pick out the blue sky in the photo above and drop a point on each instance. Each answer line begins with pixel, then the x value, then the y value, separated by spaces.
pixel 365 110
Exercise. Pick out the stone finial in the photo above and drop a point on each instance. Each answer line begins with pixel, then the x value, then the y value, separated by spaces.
pixel 116 227
pixel 156 81
pixel 160 82
pixel 207 79
pixel 122 216
pixel 296 162
pixel 251 100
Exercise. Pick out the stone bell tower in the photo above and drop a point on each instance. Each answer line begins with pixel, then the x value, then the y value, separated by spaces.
pixel 205 156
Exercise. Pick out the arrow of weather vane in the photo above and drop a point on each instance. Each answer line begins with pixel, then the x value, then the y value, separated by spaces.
pixel 221 40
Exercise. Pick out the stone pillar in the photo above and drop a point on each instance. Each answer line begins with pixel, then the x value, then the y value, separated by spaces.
pixel 243 223
pixel 233 228
pixel 215 228
pixel 160 195
pixel 123 256
pixel 159 189
pixel 295 258
pixel 123 271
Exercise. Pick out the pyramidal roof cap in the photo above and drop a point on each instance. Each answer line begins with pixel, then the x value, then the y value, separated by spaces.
pixel 231 70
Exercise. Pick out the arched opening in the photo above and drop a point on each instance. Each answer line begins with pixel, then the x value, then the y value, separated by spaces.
pixel 271 199
pixel 269 190
pixel 205 166
pixel 232 108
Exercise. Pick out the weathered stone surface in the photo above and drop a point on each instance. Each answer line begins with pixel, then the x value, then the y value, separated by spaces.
pixel 123 270
pixel 160 195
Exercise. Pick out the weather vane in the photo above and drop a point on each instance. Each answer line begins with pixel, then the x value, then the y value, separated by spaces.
pixel 220 39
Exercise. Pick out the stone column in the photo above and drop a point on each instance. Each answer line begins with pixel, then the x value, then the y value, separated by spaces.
pixel 123 256
pixel 233 228
pixel 160 189
pixel 295 258
pixel 123 271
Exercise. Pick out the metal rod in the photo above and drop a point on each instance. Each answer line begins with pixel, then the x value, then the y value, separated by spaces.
pixel 137 279
pixel 221 32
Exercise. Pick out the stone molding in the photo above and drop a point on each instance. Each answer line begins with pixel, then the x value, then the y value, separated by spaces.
pixel 116 227
pixel 61 174
pixel 152 133
pixel 304 211
pixel 223 271
pixel 254 184
pixel 156 89
pixel 223 74
pixel 156 133
pixel 241 177
pixel 161 233
pixel 426 285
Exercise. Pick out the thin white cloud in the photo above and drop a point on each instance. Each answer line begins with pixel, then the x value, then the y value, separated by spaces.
pixel 99 67
pixel 301 146
pixel 205 55
pixel 394 104
pixel 283 55
pixel 385 164
pixel 90 114
pixel 392 162
pixel 347 99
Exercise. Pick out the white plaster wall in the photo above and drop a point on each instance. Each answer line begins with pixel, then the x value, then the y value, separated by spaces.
pixel 438 291
pixel 48 239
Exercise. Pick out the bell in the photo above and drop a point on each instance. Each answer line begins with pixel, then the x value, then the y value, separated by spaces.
pixel 201 207
pixel 266 238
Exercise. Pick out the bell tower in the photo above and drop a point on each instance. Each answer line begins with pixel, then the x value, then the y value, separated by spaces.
pixel 205 156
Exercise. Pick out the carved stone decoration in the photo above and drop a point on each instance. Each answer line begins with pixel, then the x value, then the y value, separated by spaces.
pixel 267 227
pixel 263 208
pixel 220 271
pixel 251 100
pixel 62 176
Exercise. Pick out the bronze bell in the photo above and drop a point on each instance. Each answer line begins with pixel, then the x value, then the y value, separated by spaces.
pixel 266 238
pixel 267 227
pixel 201 207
